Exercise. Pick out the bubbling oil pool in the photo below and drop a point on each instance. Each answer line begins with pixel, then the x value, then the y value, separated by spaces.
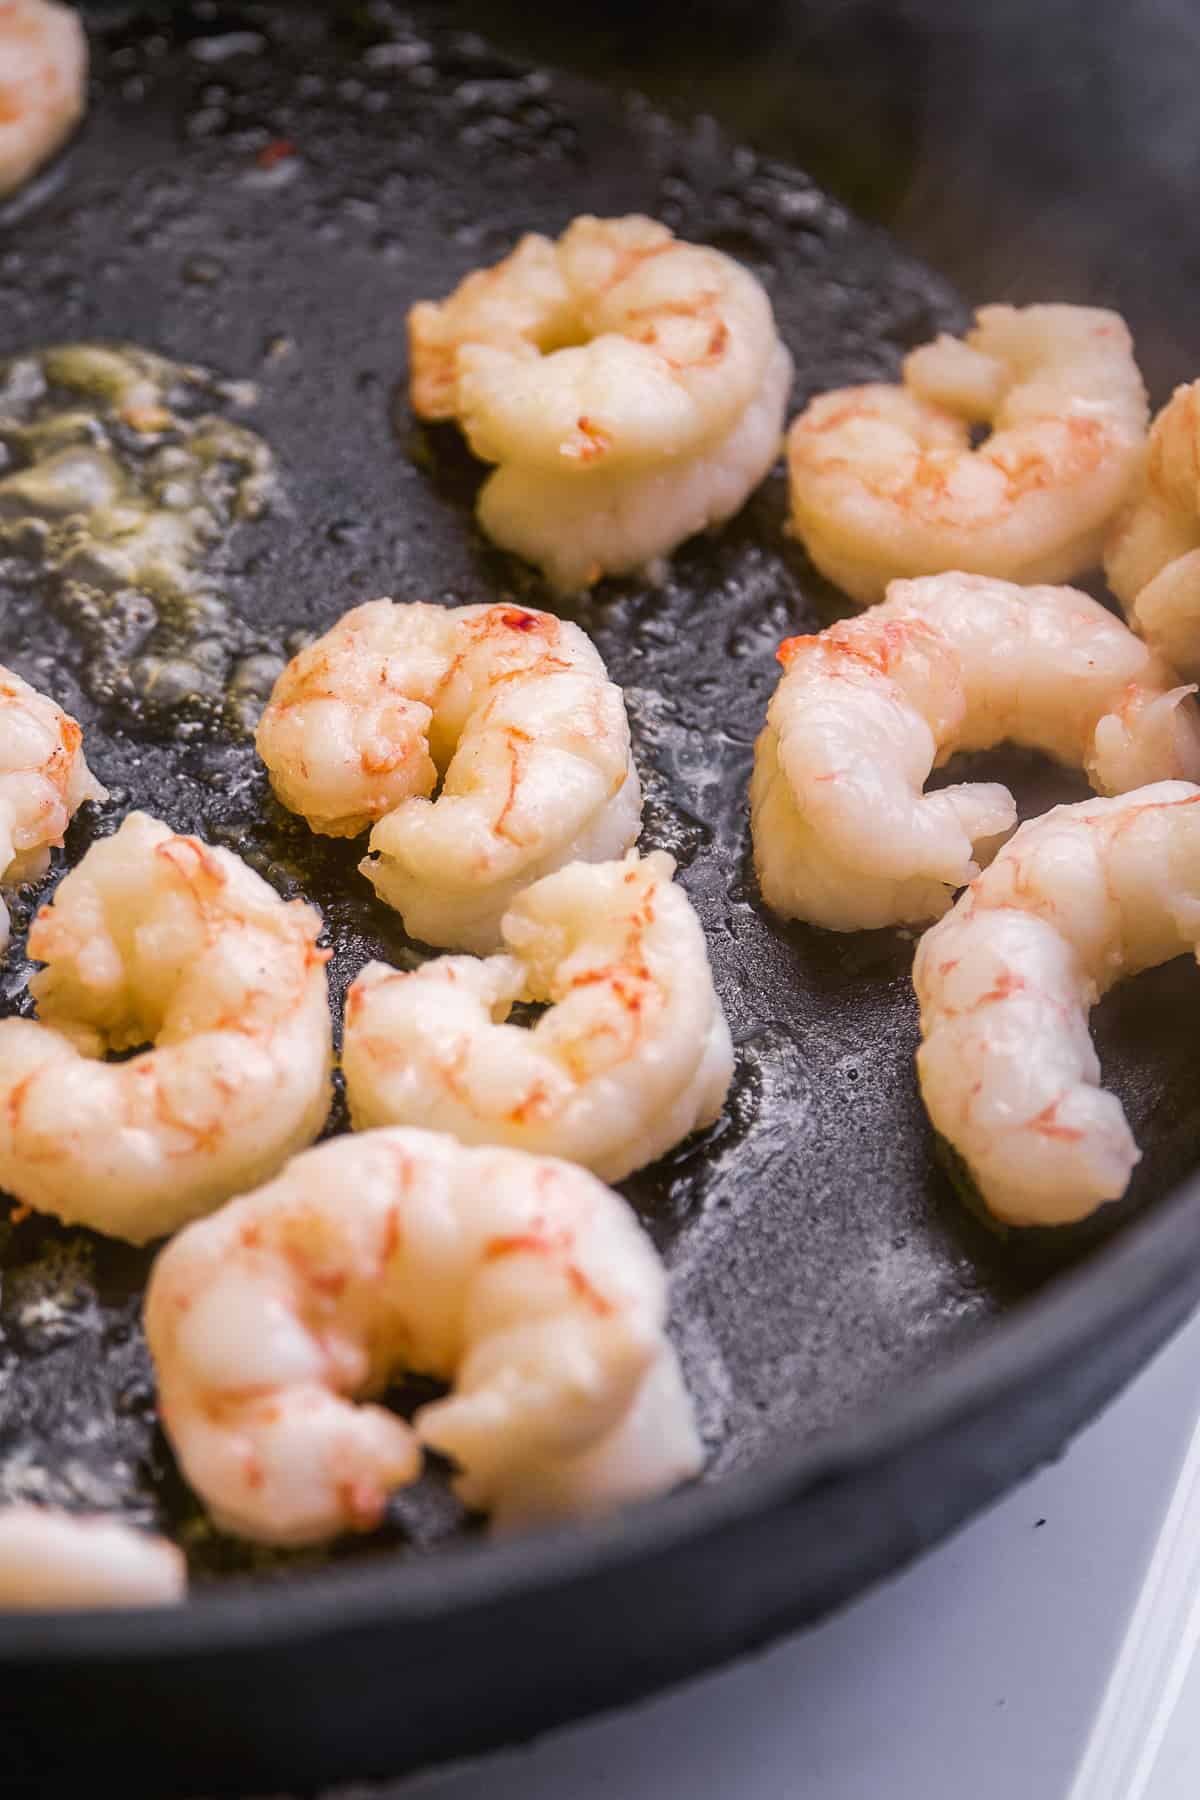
pixel 325 180
pixel 119 491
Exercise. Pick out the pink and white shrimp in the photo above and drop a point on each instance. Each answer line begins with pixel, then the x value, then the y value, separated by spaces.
pixel 632 1055
pixel 515 713
pixel 44 780
pixel 60 1561
pixel 630 389
pixel 845 836
pixel 522 1282
pixel 1079 899
pixel 885 483
pixel 1152 557
pixel 156 938
pixel 43 75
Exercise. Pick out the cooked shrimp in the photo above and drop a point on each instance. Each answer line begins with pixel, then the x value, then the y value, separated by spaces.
pixel 884 481
pixel 43 73
pixel 514 710
pixel 59 1560
pixel 632 1056
pixel 44 780
pixel 521 1281
pixel 845 837
pixel 1152 558
pixel 631 389
pixel 1080 898
pixel 161 939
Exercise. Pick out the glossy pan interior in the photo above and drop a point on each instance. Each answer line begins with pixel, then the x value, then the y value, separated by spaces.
pixel 870 1361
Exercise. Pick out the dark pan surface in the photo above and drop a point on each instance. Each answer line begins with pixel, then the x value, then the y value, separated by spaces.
pixel 822 1261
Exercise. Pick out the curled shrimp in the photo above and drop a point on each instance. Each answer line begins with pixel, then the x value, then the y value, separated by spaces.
pixel 160 939
pixel 1152 557
pixel 1077 900
pixel 50 1559
pixel 513 709
pixel 43 72
pixel 884 481
pixel 521 1281
pixel 844 835
pixel 630 388
pixel 44 780
pixel 632 1056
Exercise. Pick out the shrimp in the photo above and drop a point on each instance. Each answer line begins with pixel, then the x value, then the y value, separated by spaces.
pixel 162 939
pixel 1078 899
pixel 44 780
pixel 43 75
pixel 884 481
pixel 631 389
pixel 51 1559
pixel 512 708
pixel 521 1281
pixel 1152 557
pixel 633 1055
pixel 844 835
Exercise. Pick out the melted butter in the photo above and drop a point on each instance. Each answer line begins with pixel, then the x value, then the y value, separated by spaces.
pixel 122 479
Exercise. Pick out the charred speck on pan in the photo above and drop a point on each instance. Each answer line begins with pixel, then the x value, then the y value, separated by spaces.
pixel 265 193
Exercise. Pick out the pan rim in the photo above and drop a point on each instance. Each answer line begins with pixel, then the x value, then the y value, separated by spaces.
pixel 1138 1269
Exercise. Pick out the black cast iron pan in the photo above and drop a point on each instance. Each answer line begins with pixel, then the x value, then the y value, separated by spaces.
pixel 265 190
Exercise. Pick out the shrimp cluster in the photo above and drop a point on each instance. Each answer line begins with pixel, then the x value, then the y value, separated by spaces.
pixel 512 709
pixel 43 72
pixel 155 938
pixel 630 389
pixel 59 1560
pixel 632 1055
pixel 1152 557
pixel 44 780
pixel 1077 900
pixel 844 835
pixel 521 1281
pixel 884 481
